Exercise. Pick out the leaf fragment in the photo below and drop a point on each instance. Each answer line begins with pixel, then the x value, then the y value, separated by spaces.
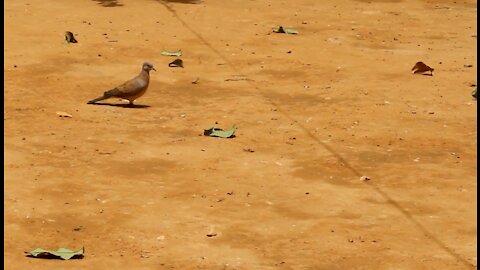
pixel 61 253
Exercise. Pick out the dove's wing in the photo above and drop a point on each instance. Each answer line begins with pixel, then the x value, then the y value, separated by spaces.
pixel 130 88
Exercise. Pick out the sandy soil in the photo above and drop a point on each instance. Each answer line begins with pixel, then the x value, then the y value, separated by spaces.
pixel 140 188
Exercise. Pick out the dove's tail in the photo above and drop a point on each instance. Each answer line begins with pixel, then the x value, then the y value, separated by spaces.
pixel 108 94
pixel 97 99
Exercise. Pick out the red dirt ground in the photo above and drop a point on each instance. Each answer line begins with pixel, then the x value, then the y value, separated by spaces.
pixel 140 188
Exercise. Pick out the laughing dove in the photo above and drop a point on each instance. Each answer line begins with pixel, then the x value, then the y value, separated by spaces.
pixel 132 89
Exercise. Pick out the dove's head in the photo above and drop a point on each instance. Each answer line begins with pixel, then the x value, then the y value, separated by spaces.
pixel 147 66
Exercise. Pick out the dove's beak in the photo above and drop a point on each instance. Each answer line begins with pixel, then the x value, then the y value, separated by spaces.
pixel 154 68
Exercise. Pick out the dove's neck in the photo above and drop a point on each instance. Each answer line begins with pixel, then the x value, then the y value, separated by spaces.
pixel 145 74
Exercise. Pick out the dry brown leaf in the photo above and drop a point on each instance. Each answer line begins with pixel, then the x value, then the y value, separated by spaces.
pixel 64 114
pixel 420 68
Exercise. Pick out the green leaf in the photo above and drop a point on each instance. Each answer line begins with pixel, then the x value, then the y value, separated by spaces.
pixel 63 253
pixel 172 53
pixel 217 132
pixel 474 93
pixel 281 29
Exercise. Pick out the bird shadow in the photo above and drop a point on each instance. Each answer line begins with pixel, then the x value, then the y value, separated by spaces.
pixel 422 73
pixel 131 106
pixel 108 3
pixel 182 1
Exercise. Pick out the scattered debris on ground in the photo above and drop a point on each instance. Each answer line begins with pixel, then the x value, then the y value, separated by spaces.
pixel 176 63
pixel 61 253
pixel 217 132
pixel 211 233
pixel 422 68
pixel 364 178
pixel 176 53
pixel 70 38
pixel 64 114
pixel 284 30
